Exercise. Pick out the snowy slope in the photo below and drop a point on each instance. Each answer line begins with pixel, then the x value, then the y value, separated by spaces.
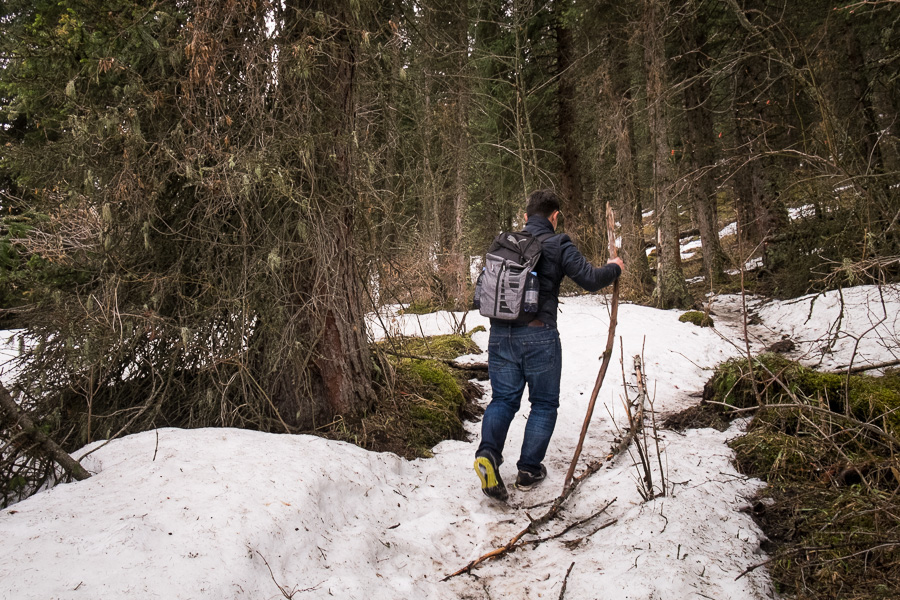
pixel 834 326
pixel 221 513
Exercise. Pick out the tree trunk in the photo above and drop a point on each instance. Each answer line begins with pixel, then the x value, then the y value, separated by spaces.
pixel 582 223
pixel 867 130
pixel 671 290
pixel 341 361
pixel 760 213
pixel 458 252
pixel 700 155
pixel 637 280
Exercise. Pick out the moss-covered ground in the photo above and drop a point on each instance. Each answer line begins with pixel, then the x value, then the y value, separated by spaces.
pixel 423 400
pixel 830 456
pixel 698 318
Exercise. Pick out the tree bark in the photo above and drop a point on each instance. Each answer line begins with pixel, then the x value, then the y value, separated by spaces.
pixel 637 280
pixel 700 155
pixel 581 224
pixel 461 184
pixel 671 290
pixel 340 362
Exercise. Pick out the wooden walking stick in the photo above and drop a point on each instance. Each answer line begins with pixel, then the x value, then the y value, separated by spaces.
pixel 607 354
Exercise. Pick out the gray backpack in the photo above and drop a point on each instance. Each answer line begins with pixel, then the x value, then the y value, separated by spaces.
pixel 507 275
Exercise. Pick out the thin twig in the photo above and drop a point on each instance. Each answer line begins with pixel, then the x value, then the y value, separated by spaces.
pixel 562 592
pixel 862 368
pixel 574 525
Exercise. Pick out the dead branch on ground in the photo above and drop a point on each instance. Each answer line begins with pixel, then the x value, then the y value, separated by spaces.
pixel 13 418
pixel 562 592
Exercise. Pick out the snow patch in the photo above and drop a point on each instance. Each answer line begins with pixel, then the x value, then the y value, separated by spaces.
pixel 730 229
pixel 180 514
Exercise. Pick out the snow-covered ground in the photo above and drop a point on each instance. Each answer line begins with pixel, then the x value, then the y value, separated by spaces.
pixel 223 513
pixel 830 328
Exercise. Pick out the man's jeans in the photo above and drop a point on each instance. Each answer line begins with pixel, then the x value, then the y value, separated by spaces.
pixel 516 356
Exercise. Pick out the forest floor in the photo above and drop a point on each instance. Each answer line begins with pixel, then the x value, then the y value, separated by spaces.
pixel 223 513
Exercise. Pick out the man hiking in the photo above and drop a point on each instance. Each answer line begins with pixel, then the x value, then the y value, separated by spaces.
pixel 530 353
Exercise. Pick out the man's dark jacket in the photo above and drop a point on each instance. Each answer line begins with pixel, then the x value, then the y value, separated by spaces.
pixel 560 257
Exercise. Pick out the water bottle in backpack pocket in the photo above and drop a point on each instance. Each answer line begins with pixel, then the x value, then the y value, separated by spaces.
pixel 508 273
pixel 531 293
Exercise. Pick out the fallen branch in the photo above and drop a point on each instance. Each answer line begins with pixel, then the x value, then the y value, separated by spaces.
pixel 12 417
pixel 573 543
pixel 562 592
pixel 645 485
pixel 535 523
pixel 862 368
pixel 560 500
pixel 573 525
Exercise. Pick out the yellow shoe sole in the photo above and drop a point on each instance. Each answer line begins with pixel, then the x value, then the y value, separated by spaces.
pixel 491 484
pixel 486 473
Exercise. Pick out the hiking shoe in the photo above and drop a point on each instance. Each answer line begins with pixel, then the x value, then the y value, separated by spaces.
pixel 489 474
pixel 526 480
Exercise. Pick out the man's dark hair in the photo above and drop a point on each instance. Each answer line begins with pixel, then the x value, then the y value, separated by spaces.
pixel 543 203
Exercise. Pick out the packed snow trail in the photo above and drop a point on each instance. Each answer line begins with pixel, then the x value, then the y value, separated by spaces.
pixel 224 513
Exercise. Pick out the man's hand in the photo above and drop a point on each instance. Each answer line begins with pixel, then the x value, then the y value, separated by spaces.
pixel 617 261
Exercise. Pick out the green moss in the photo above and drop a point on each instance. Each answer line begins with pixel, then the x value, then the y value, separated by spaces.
pixel 832 483
pixel 420 308
pixel 436 403
pixel 870 399
pixel 422 401
pixel 696 317
pixel 778 456
pixel 840 523
pixel 438 346
pixel 476 330
pixel 437 381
